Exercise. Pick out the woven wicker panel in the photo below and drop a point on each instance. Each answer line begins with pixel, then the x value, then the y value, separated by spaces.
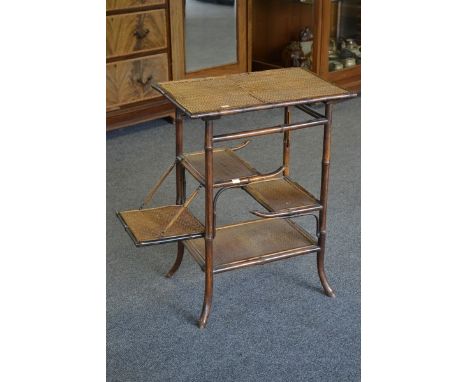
pixel 251 242
pixel 216 94
pixel 226 166
pixel 148 224
pixel 279 194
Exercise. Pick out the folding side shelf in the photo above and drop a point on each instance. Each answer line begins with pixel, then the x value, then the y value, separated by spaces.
pixel 226 166
pixel 152 225
pixel 254 242
pixel 282 195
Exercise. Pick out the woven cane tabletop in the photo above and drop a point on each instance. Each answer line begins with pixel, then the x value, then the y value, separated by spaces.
pixel 235 93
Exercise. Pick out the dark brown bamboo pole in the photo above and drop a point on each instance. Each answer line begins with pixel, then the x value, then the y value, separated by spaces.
pixel 180 170
pixel 268 130
pixel 286 142
pixel 181 211
pixel 308 110
pixel 324 201
pixel 155 188
pixel 209 224
pixel 180 184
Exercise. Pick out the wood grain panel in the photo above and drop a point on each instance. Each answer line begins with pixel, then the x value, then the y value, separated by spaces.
pixel 176 12
pixel 143 111
pixel 128 4
pixel 130 80
pixel 135 32
pixel 275 24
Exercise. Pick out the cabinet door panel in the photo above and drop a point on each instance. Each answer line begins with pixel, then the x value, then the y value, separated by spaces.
pixel 135 32
pixel 127 4
pixel 130 80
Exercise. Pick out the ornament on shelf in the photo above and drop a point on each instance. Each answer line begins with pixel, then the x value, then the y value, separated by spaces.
pixel 293 55
pixel 306 39
pixel 334 65
pixel 299 53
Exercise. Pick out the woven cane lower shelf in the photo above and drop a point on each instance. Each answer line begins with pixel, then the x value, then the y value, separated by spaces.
pixel 226 166
pixel 146 226
pixel 254 242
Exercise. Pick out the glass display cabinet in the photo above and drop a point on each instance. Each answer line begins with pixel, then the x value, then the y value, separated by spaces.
pixel 323 35
pixel 340 61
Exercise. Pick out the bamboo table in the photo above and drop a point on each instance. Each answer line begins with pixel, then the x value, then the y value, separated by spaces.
pixel 272 237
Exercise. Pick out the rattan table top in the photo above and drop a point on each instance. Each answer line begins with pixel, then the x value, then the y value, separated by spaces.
pixel 235 93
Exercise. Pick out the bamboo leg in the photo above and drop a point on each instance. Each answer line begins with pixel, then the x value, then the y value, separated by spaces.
pixel 324 200
pixel 209 224
pixel 180 170
pixel 178 261
pixel 180 185
pixel 286 142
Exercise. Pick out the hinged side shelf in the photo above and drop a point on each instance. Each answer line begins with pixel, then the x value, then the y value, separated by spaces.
pixel 226 166
pixel 149 226
pixel 282 197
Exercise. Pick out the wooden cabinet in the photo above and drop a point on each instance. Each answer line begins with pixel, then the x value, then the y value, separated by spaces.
pixel 128 5
pixel 138 55
pixel 275 23
pixel 136 32
pixel 130 80
pixel 146 43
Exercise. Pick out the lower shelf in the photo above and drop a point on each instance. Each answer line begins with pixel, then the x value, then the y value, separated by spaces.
pixel 254 242
pixel 147 226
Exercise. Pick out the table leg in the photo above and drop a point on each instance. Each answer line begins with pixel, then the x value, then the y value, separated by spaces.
pixel 324 200
pixel 180 185
pixel 209 224
pixel 286 142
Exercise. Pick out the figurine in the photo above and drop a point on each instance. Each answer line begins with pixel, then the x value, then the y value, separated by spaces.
pixel 351 43
pixel 334 65
pixel 352 46
pixel 349 62
pixel 332 49
pixel 293 55
pixel 306 38
pixel 346 53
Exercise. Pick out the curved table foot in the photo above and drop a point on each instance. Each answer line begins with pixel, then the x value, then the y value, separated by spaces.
pixel 202 321
pixel 322 275
pixel 178 261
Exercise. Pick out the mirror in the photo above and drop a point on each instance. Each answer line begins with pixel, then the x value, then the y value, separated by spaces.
pixel 210 33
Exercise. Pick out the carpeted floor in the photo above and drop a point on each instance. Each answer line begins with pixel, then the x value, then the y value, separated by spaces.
pixel 268 323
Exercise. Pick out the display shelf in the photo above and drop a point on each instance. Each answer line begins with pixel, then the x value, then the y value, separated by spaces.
pixel 335 51
pixel 282 197
pixel 226 166
pixel 252 243
pixel 150 226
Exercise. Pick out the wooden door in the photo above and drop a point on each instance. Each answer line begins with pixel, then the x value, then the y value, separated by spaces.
pixel 178 43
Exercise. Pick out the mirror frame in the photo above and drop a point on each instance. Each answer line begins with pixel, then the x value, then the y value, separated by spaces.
pixel 177 22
